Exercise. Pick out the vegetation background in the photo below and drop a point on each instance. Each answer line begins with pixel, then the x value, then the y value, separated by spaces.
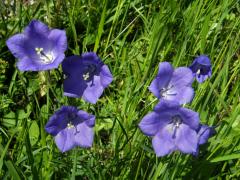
pixel 131 37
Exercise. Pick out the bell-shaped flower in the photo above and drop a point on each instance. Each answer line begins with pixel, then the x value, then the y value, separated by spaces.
pixel 170 84
pixel 38 47
pixel 87 76
pixel 204 133
pixel 172 128
pixel 201 68
pixel 71 127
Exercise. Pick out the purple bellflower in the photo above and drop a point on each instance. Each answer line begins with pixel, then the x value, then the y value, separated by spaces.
pixel 71 127
pixel 204 133
pixel 87 76
pixel 171 84
pixel 172 128
pixel 201 68
pixel 38 47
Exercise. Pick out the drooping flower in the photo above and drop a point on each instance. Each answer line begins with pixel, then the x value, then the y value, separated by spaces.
pixel 201 68
pixel 87 76
pixel 173 84
pixel 172 128
pixel 71 127
pixel 38 47
pixel 204 133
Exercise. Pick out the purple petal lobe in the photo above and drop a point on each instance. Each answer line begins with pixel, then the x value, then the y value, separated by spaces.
pixel 204 133
pixel 93 91
pixel 59 39
pixel 182 76
pixel 162 79
pixel 166 105
pixel 182 94
pixel 65 139
pixel 163 143
pixel 16 45
pixel 152 122
pixel 186 139
pixel 84 137
pixel 73 87
pixel 105 76
pixel 36 27
pixel 190 118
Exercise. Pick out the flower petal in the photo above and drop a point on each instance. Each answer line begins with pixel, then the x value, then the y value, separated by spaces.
pixel 88 118
pixel 163 143
pixel 74 87
pixel 204 133
pixel 36 28
pixel 201 78
pixel 152 122
pixel 16 45
pixel 105 76
pixel 186 139
pixel 59 39
pixel 182 94
pixel 73 66
pixel 182 76
pixel 190 118
pixel 162 79
pixel 84 135
pixel 65 139
pixel 166 105
pixel 25 64
pixel 93 91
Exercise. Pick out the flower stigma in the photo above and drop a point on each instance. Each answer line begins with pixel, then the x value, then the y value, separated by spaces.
pixel 45 58
pixel 176 120
pixel 175 124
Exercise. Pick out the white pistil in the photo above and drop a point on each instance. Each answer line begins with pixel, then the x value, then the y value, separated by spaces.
pixel 198 72
pixel 46 58
pixel 86 76
pixel 70 125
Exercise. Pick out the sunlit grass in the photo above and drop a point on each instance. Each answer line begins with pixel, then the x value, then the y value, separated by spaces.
pixel 132 37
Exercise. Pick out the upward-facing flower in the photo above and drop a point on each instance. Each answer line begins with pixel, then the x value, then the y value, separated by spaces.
pixel 172 128
pixel 71 127
pixel 173 84
pixel 38 47
pixel 201 68
pixel 87 76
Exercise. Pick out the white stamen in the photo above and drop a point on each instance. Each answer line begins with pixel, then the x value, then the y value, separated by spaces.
pixel 46 58
pixel 198 71
pixel 70 125
pixel 86 76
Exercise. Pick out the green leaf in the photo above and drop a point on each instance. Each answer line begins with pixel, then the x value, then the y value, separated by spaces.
pixel 226 157
pixel 34 133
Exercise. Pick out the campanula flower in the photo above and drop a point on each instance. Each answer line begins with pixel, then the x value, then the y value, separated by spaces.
pixel 170 84
pixel 201 68
pixel 87 76
pixel 71 127
pixel 38 47
pixel 172 128
pixel 204 133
